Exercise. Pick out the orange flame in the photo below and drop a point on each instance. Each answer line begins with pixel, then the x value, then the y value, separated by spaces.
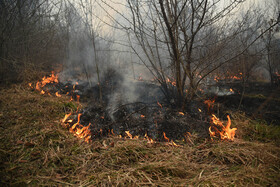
pixel 164 135
pixel 150 140
pixel 57 94
pixel 181 113
pixel 159 104
pixel 45 80
pixel 174 144
pixel 128 134
pixel 142 116
pixel 172 82
pixel 66 117
pixel 84 133
pixel 78 98
pixel 225 132
pixel 79 130
pixel 209 103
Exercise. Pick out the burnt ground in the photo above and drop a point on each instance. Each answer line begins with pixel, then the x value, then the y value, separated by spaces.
pixel 151 114
pixel 259 100
pixel 146 116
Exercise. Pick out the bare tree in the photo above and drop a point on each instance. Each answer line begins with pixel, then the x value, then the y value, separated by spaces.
pixel 271 42
pixel 196 35
pixel 27 34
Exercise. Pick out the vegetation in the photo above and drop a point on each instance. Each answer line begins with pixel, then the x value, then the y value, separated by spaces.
pixel 36 150
pixel 182 48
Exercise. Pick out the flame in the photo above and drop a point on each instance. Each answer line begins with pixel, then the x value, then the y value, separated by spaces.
pixel 231 90
pixel 181 113
pixel 57 94
pixel 72 129
pixel 164 135
pixel 150 140
pixel 66 117
pixel 78 98
pixel 159 104
pixel 84 133
pixel 199 110
pixel 172 82
pixel 209 103
pixel 128 134
pixel 45 80
pixel 78 129
pixel 174 144
pixel 225 132
pixel 112 131
pixel 142 116
pixel 236 77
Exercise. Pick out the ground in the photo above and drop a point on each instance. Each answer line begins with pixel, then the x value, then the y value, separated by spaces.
pixel 36 150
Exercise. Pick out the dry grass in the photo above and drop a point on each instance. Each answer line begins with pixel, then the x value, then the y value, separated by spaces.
pixel 36 150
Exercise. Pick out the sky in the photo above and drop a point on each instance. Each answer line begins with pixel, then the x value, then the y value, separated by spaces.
pixel 106 12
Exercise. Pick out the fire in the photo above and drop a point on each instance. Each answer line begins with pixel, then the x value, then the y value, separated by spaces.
pixel 159 104
pixel 84 133
pixel 231 90
pixel 66 117
pixel 225 132
pixel 79 130
pixel 45 80
pixel 172 82
pixel 174 144
pixel 209 103
pixel 128 134
pixel 73 128
pixel 57 94
pixel 234 77
pixel 164 135
pixel 78 98
pixel 217 129
pixel 150 140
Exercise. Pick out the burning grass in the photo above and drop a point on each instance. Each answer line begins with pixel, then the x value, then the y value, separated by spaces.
pixel 36 150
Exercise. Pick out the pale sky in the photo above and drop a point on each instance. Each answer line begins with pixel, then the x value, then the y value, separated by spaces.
pixel 119 5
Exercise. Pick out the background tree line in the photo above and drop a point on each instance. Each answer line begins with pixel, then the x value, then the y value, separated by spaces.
pixel 182 43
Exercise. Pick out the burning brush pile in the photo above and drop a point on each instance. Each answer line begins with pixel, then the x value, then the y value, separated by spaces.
pixel 149 118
